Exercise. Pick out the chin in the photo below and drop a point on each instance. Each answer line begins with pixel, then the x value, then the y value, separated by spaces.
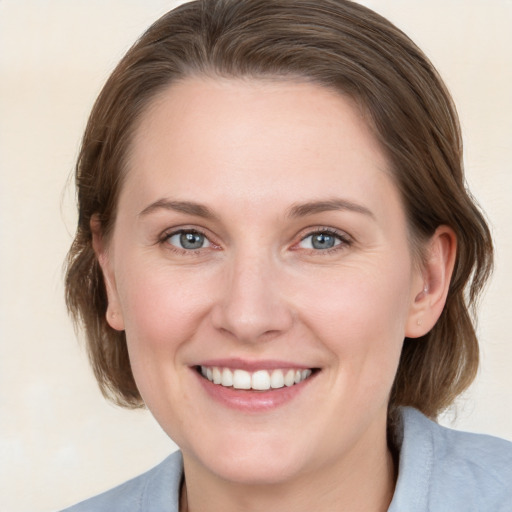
pixel 256 471
pixel 253 460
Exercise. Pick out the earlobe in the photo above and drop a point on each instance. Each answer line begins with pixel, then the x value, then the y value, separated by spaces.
pixel 113 314
pixel 430 297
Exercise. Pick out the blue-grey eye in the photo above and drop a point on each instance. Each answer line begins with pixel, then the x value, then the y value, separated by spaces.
pixel 320 241
pixel 189 240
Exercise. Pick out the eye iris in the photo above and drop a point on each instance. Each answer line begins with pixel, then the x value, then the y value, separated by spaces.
pixel 191 240
pixel 323 241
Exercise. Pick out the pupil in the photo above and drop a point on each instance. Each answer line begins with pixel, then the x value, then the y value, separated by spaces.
pixel 191 240
pixel 323 241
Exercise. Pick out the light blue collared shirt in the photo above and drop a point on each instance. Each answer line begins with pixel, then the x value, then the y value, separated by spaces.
pixel 440 470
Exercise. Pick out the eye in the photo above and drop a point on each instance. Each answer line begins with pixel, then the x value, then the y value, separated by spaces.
pixel 322 240
pixel 189 240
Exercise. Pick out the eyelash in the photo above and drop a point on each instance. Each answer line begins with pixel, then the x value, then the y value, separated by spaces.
pixel 182 251
pixel 343 239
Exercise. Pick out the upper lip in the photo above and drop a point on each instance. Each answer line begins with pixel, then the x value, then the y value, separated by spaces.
pixel 253 365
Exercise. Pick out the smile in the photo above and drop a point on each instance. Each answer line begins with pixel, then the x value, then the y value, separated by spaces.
pixel 260 380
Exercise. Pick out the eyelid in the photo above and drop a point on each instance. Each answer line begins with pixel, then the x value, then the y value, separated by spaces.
pixel 170 232
pixel 343 237
pixel 167 233
pixel 204 238
pixel 325 229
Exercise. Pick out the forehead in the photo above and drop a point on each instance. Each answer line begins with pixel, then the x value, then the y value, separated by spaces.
pixel 214 139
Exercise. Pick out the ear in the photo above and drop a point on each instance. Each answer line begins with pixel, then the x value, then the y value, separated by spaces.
pixel 431 288
pixel 114 315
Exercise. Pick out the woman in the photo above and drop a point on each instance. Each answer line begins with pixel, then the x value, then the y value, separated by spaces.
pixel 276 254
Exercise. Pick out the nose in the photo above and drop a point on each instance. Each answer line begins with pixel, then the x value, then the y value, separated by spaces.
pixel 252 305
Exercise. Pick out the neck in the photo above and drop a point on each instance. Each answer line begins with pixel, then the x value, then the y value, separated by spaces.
pixel 363 481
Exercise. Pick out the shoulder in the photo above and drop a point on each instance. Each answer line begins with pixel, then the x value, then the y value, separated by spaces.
pixel 452 470
pixel 157 490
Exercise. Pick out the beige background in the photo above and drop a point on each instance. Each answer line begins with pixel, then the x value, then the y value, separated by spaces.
pixel 59 441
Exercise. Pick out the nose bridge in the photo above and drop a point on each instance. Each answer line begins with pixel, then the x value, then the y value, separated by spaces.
pixel 253 303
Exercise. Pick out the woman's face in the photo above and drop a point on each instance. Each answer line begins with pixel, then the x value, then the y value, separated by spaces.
pixel 261 241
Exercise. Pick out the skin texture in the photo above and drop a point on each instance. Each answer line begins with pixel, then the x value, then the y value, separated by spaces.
pixel 250 152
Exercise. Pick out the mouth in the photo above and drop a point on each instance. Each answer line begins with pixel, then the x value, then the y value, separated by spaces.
pixel 258 380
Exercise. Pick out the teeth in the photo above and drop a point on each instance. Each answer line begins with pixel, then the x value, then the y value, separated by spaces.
pixel 241 379
pixel 305 374
pixel 261 380
pixel 227 377
pixel 277 379
pixel 217 376
pixel 289 378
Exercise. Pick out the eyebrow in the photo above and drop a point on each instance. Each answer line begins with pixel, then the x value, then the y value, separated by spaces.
pixel 312 207
pixel 296 210
pixel 187 207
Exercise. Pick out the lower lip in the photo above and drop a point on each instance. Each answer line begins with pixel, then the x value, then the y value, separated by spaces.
pixel 251 400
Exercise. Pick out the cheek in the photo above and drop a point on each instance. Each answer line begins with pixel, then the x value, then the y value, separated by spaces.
pixel 161 306
pixel 364 328
pixel 360 316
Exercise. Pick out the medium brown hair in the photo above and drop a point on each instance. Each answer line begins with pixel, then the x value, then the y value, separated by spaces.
pixel 337 44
